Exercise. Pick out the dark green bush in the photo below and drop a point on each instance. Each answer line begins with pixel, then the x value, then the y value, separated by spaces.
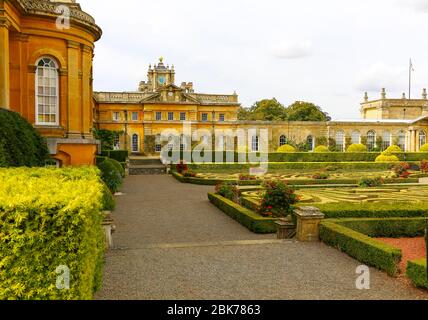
pixel 118 155
pixel 20 144
pixel 111 175
pixel 99 159
pixel 118 167
pixel 108 202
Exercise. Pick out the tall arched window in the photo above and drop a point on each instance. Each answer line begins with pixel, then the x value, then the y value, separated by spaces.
pixel 386 140
pixel 402 140
pixel 422 138
pixel 355 137
pixel 282 140
pixel 311 142
pixel 135 143
pixel 47 92
pixel 371 140
pixel 340 140
pixel 255 144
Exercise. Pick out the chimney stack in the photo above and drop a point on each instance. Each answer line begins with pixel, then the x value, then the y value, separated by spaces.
pixel 383 93
pixel 424 94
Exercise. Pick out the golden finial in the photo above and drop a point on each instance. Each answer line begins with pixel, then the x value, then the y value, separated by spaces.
pixel 161 59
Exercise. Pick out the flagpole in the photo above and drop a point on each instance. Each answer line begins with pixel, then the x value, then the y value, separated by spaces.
pixel 410 79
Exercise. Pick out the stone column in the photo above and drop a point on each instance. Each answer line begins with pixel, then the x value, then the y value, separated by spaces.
pixel 308 220
pixel 86 92
pixel 417 141
pixel 74 100
pixel 4 64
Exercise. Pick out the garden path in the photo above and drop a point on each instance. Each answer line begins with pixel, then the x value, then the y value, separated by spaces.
pixel 171 243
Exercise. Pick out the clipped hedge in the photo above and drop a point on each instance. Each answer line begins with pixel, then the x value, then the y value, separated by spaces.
pixel 20 144
pixel 372 210
pixel 361 247
pixel 293 182
pixel 244 216
pixel 50 218
pixel 417 272
pixel 273 166
pixel 118 155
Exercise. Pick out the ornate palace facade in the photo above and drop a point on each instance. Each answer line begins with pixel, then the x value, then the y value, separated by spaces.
pixel 160 105
pixel 46 73
pixel 46 76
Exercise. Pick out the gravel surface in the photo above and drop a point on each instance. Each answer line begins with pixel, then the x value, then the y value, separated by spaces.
pixel 171 243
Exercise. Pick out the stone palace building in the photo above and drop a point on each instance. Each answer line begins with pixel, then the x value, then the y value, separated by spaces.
pixel 46 76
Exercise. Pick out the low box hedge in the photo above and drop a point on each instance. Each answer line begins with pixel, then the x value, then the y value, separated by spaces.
pixel 50 218
pixel 372 210
pixel 295 182
pixel 361 247
pixel 227 156
pixel 355 237
pixel 244 216
pixel 417 272
pixel 278 166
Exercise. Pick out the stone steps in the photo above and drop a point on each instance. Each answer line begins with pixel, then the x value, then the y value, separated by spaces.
pixel 146 166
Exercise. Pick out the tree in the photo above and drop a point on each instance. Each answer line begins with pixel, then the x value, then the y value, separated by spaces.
pixel 244 114
pixel 267 110
pixel 305 111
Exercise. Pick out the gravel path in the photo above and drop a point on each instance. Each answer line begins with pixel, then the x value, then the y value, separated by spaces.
pixel 171 243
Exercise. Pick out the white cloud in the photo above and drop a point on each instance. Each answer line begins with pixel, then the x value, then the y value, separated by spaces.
pixel 293 50
pixel 417 5
pixel 381 75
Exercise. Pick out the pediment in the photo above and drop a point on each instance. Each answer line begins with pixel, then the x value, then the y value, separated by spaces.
pixel 170 94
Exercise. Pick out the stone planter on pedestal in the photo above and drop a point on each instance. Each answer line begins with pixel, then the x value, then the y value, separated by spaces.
pixel 308 220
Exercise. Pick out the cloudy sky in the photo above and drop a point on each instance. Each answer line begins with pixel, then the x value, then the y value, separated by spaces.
pixel 327 52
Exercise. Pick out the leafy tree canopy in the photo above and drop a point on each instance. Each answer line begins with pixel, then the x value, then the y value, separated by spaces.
pixel 266 110
pixel 306 111
pixel 272 110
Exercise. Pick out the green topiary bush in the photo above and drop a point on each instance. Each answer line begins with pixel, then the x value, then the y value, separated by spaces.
pixel 286 148
pixel 394 149
pixel 321 149
pixel 357 148
pixel 20 144
pixel 424 148
pixel 118 166
pixel 111 175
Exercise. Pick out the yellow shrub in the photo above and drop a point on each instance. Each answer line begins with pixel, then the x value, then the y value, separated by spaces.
pixel 50 218
pixel 387 157
pixel 393 149
pixel 321 149
pixel 424 148
pixel 357 148
pixel 286 148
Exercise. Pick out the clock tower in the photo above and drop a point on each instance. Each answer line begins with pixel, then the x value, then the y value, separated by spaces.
pixel 158 76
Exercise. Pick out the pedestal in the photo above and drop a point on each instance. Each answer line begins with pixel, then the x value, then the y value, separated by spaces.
pixel 308 220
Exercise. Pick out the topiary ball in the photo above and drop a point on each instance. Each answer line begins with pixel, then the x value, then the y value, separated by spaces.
pixel 393 149
pixel 286 148
pixel 387 157
pixel 357 148
pixel 424 148
pixel 321 149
